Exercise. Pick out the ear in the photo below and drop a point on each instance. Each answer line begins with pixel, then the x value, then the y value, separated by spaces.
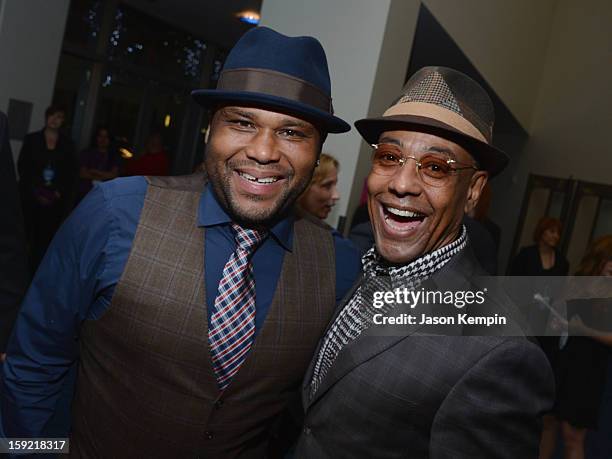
pixel 477 183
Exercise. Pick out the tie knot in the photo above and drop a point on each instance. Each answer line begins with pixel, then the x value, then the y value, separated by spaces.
pixel 247 239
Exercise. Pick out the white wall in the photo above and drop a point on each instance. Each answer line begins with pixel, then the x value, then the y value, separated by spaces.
pixel 31 33
pixel 353 33
pixel 506 40
pixel 573 114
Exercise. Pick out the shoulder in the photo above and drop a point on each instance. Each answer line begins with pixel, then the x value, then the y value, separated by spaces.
pixel 123 188
pixel 345 249
pixel 34 135
pixel 528 251
pixel 111 202
pixel 500 358
pixel 525 255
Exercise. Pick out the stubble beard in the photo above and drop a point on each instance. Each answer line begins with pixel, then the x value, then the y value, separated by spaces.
pixel 221 182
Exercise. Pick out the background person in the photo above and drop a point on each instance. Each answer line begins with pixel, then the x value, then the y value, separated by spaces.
pixel 154 161
pixel 543 258
pixel 582 364
pixel 322 192
pixel 98 163
pixel 47 180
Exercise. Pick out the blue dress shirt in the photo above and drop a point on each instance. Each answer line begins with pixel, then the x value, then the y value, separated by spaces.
pixel 77 278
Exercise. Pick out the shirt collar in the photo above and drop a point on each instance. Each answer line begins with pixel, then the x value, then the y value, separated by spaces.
pixel 424 266
pixel 210 213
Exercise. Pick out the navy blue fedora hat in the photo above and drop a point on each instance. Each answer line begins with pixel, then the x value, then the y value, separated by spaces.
pixel 270 69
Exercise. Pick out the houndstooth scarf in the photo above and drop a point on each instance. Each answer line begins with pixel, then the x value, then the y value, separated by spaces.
pixel 358 312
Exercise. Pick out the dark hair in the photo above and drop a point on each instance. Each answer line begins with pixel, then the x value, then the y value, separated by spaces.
pixel 100 127
pixel 53 109
pixel 544 224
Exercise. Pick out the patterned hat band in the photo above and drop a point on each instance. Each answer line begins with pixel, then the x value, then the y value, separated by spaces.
pixel 438 113
pixel 274 83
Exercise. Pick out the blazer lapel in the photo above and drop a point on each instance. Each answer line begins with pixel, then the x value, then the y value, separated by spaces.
pixel 310 370
pixel 372 341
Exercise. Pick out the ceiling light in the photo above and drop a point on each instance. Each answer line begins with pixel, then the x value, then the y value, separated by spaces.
pixel 250 17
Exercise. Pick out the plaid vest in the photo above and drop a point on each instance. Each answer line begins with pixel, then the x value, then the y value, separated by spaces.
pixel 146 387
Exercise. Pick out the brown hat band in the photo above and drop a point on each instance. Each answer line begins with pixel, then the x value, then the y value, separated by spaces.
pixel 438 113
pixel 276 84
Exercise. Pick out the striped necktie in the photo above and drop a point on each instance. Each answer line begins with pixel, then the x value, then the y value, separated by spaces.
pixel 232 325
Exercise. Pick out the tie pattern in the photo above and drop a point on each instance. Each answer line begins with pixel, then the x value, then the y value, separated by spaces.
pixel 232 325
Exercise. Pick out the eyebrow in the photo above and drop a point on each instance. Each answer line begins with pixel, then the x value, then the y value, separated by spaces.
pixel 285 122
pixel 443 150
pixel 236 111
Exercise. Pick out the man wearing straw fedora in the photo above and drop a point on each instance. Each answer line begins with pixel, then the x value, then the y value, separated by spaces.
pixel 425 392
pixel 192 304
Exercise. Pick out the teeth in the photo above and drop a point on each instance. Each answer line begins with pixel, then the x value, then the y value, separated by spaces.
pixel 403 213
pixel 247 176
pixel 258 180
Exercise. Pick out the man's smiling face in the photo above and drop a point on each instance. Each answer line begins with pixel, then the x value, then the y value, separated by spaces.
pixel 411 218
pixel 259 161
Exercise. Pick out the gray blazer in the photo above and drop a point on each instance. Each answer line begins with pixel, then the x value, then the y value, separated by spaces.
pixel 420 396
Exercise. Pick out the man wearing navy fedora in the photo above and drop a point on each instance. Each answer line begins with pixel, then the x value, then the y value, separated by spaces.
pixel 422 390
pixel 192 304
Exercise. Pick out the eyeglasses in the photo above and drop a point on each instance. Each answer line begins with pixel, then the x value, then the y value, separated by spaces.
pixel 433 169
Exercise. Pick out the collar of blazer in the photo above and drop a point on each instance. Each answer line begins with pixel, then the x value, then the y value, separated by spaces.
pixel 455 275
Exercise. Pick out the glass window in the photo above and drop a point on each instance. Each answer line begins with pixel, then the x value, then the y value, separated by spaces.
pixel 83 23
pixel 71 86
pixel 119 104
pixel 144 41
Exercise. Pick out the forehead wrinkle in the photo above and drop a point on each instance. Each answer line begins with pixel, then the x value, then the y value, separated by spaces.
pixel 391 140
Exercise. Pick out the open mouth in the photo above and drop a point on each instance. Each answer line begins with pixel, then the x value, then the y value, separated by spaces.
pixel 402 220
pixel 262 180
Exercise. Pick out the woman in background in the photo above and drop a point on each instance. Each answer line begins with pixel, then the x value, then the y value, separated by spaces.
pixel 543 258
pixel 322 192
pixel 582 364
pixel 47 181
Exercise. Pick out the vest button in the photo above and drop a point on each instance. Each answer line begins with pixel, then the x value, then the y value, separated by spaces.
pixel 208 435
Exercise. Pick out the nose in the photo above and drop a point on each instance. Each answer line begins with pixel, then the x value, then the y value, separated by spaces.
pixel 406 180
pixel 335 194
pixel 263 148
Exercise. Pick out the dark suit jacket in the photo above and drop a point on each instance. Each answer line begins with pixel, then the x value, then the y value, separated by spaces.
pixel 424 396
pixel 13 270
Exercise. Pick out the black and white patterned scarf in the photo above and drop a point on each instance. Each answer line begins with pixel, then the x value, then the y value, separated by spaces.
pixel 358 313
